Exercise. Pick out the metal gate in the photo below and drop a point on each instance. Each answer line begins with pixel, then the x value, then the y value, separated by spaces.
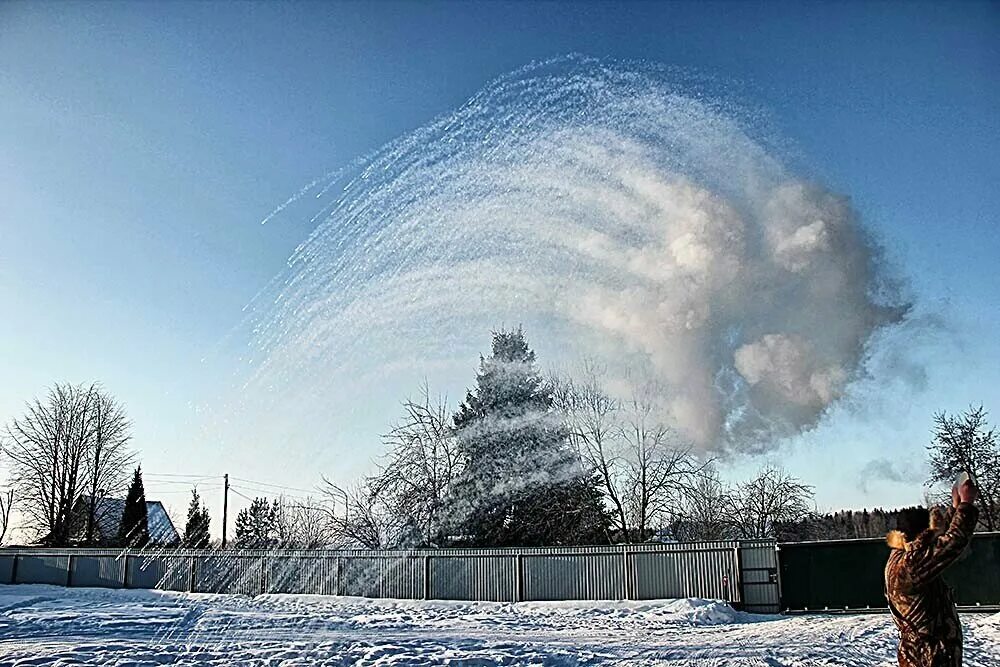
pixel 760 579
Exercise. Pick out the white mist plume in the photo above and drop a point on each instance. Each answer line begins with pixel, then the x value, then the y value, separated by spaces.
pixel 618 214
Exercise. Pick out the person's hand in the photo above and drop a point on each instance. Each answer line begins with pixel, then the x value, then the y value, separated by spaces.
pixel 967 492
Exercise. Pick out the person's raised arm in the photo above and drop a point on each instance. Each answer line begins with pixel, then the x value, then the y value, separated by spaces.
pixel 925 565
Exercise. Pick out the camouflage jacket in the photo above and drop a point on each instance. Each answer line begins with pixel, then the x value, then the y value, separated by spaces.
pixel 920 600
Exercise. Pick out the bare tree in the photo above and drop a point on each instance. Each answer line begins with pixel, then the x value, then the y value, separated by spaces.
pixel 46 447
pixel 6 503
pixel 644 468
pixel 659 469
pixel 360 517
pixel 403 503
pixel 108 458
pixel 422 463
pixel 303 524
pixel 71 443
pixel 705 510
pixel 773 496
pixel 593 422
pixel 967 443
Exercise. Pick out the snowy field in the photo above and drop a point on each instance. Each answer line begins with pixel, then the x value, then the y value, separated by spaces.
pixel 44 625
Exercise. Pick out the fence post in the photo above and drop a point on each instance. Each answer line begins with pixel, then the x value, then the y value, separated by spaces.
pixel 777 575
pixel 191 575
pixel 519 577
pixel 427 577
pixel 738 585
pixel 626 572
pixel 338 589
pixel 69 570
pixel 125 571
pixel 264 571
pixel 13 569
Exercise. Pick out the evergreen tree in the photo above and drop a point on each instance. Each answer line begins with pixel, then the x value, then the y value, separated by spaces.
pixel 256 526
pixel 523 484
pixel 134 528
pixel 196 530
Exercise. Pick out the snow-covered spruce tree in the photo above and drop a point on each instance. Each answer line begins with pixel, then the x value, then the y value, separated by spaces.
pixel 256 525
pixel 522 483
pixel 196 530
pixel 134 528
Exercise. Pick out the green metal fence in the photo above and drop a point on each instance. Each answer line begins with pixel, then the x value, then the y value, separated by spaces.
pixel 848 574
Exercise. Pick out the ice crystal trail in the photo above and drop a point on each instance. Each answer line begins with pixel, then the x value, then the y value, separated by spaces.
pixel 616 212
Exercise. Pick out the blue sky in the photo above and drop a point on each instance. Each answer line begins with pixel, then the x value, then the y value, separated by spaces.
pixel 141 144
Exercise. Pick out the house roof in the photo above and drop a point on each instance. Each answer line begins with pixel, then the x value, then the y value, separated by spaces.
pixel 108 514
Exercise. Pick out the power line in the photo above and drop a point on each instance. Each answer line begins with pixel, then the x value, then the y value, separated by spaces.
pixel 185 491
pixel 168 474
pixel 191 478
pixel 270 492
pixel 233 489
pixel 185 482
pixel 276 486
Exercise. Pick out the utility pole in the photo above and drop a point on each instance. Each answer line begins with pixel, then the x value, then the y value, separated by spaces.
pixel 225 506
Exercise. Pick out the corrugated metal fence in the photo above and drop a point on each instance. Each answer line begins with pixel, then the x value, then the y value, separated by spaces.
pixel 848 574
pixel 816 576
pixel 742 573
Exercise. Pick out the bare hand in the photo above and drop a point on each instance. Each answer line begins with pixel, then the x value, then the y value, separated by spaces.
pixel 967 492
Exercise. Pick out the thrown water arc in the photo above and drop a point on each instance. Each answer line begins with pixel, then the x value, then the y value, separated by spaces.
pixel 616 213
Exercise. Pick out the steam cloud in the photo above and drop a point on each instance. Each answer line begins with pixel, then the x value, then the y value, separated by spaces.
pixel 900 472
pixel 617 213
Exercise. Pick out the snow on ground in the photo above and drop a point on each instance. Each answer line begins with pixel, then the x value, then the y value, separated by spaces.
pixel 46 625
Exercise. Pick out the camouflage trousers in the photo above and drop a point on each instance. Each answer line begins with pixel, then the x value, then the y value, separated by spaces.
pixel 917 651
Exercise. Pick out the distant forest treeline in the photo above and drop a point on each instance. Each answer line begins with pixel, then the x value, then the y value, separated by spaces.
pixel 845 525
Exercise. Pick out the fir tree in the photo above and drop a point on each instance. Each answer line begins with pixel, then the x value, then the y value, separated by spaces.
pixel 523 484
pixel 134 528
pixel 256 526
pixel 196 530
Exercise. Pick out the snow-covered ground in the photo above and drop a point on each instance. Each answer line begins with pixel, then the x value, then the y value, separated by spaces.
pixel 45 625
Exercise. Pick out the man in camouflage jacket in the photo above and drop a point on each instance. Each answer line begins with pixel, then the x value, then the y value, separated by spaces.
pixel 930 634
